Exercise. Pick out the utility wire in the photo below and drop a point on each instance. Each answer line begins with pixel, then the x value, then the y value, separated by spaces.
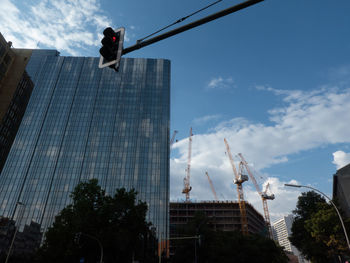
pixel 191 25
pixel 178 21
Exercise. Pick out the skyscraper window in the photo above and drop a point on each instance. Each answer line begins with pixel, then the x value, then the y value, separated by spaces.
pixel 83 122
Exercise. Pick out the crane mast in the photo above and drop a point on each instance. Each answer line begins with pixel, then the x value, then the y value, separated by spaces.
pixel 239 180
pixel 263 195
pixel 212 187
pixel 173 139
pixel 187 187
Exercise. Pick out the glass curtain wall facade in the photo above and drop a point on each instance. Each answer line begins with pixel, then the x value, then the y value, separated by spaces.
pixel 83 122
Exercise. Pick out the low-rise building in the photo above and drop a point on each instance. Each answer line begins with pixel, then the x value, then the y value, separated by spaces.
pixel 223 215
pixel 25 241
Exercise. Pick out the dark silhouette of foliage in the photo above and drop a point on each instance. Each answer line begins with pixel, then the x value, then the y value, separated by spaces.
pixel 220 246
pixel 117 222
pixel 316 230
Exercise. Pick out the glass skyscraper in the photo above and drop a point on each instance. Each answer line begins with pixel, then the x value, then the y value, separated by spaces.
pixel 82 122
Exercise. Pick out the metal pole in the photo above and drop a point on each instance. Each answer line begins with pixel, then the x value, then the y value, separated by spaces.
pixel 336 209
pixel 195 251
pixel 195 240
pixel 14 236
pixel 160 249
pixel 180 238
pixel 99 243
pixel 191 25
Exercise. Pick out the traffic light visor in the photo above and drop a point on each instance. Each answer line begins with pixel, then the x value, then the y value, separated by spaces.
pixel 109 32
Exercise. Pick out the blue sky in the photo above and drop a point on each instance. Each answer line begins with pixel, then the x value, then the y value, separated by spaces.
pixel 273 79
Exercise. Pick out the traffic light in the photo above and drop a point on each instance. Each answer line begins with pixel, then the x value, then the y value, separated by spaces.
pixel 110 44
pixel 112 47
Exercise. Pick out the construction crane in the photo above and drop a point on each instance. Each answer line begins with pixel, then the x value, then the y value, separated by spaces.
pixel 264 196
pixel 173 139
pixel 187 187
pixel 212 187
pixel 239 180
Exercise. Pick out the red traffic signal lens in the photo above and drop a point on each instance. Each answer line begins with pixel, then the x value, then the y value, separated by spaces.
pixel 114 39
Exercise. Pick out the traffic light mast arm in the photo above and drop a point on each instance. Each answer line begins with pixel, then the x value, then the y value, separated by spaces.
pixel 189 26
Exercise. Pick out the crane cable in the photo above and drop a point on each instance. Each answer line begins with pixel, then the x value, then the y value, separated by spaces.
pixel 178 21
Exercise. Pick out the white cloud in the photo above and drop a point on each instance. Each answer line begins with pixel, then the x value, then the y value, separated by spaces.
pixel 221 83
pixel 340 74
pixel 340 159
pixel 307 121
pixel 71 26
pixel 206 119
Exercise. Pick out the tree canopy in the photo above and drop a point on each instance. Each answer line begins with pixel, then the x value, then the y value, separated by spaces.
pixel 220 246
pixel 117 223
pixel 316 230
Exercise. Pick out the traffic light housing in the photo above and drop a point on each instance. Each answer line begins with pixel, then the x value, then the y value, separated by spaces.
pixel 112 47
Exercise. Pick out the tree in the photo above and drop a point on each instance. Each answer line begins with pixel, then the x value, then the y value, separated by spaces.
pixel 316 230
pixel 186 249
pixel 324 226
pixel 235 247
pixel 220 246
pixel 117 222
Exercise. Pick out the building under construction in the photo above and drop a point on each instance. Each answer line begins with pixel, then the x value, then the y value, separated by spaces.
pixel 223 216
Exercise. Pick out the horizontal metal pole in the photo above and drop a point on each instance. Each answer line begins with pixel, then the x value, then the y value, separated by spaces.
pixel 191 25
pixel 180 238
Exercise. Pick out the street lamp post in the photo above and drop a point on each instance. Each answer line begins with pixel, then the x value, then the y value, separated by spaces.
pixel 330 200
pixel 160 249
pixel 14 235
pixel 98 241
